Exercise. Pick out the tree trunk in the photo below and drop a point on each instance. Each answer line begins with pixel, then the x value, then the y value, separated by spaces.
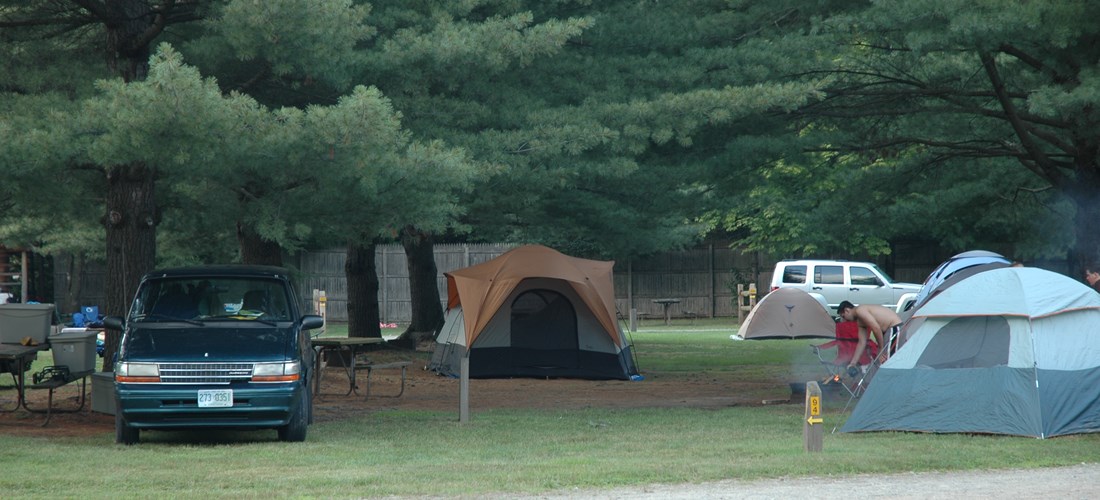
pixel 362 283
pixel 427 313
pixel 130 30
pixel 256 250
pixel 1086 251
pixel 74 264
pixel 41 268
pixel 131 217
pixel 1083 190
pixel 131 222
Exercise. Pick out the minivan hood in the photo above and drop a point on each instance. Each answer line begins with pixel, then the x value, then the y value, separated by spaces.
pixel 207 343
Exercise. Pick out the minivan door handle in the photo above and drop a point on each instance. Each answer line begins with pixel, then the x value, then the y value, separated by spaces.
pixel 816 288
pixel 853 289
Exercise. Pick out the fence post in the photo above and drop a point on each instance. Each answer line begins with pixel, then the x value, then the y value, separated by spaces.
pixel 746 300
pixel 320 306
pixel 738 303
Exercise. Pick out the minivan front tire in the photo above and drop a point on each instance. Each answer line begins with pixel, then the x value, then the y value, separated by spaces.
pixel 295 430
pixel 124 434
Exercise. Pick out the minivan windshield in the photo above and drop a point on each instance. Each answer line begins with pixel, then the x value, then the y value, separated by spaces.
pixel 205 298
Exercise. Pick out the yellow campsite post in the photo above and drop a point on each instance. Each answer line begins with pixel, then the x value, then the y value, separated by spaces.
pixel 812 428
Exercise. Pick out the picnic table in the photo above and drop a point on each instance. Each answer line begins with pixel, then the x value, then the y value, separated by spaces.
pixel 666 302
pixel 16 359
pixel 349 345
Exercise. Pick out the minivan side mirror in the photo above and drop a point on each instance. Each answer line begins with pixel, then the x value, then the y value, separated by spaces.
pixel 114 323
pixel 311 321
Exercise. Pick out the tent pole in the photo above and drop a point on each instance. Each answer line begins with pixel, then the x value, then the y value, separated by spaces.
pixel 464 389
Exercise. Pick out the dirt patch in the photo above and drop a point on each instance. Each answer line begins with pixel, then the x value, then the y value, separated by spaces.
pixel 425 390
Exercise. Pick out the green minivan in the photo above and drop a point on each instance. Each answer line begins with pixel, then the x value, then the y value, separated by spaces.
pixel 214 347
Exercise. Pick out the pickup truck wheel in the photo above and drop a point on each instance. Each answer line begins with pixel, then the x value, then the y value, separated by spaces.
pixel 124 434
pixel 295 431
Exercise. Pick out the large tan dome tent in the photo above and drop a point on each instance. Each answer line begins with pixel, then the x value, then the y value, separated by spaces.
pixel 533 312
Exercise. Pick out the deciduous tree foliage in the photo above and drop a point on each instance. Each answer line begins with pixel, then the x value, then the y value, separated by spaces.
pixel 970 123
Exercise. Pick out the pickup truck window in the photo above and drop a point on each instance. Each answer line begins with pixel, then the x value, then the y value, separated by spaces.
pixel 829 275
pixel 794 274
pixel 864 276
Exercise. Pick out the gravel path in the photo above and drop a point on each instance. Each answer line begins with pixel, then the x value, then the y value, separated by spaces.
pixel 1076 482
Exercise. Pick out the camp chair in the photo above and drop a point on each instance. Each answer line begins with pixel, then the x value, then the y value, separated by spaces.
pixel 868 371
pixel 847 336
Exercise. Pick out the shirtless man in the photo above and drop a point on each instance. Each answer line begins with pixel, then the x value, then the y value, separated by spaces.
pixel 872 318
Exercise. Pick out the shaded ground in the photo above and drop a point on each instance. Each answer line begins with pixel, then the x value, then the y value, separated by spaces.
pixel 427 391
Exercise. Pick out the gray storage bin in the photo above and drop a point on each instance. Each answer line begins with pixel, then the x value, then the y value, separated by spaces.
pixel 75 349
pixel 25 320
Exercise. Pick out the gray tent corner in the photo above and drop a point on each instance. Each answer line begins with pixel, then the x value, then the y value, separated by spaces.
pixel 1007 351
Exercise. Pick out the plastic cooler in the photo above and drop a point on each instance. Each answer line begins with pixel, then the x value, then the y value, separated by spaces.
pixel 75 348
pixel 25 320
pixel 103 392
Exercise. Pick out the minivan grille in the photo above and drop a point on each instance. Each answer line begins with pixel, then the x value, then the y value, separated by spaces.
pixel 204 373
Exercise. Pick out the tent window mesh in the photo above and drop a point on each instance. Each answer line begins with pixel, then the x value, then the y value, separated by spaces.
pixel 968 342
pixel 543 319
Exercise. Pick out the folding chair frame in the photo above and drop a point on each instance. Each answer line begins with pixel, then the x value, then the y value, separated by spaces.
pixel 861 385
pixel 846 339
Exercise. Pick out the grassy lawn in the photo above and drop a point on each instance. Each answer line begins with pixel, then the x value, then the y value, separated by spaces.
pixel 409 453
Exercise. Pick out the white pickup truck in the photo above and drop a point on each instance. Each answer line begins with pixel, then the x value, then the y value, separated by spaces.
pixel 834 281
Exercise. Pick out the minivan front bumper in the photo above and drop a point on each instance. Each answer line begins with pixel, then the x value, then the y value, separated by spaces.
pixel 164 406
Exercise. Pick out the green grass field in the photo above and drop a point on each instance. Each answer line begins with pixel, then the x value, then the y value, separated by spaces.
pixel 406 453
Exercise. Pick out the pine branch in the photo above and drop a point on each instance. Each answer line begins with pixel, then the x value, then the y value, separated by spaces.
pixel 1042 163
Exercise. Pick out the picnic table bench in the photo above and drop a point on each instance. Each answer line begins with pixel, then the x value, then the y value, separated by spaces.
pixel 370 367
pixel 52 385
pixel 340 345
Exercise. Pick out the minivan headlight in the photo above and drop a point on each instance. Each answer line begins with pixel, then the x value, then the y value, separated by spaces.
pixel 287 371
pixel 137 372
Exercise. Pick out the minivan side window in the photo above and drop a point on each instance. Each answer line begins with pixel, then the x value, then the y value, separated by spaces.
pixel 864 276
pixel 794 274
pixel 829 275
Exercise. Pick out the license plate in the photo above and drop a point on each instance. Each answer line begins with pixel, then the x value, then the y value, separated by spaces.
pixel 215 398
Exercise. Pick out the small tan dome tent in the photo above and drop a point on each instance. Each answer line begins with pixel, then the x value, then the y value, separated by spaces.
pixel 788 313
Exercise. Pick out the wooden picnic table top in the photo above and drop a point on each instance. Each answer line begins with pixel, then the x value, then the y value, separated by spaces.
pixel 346 341
pixel 12 352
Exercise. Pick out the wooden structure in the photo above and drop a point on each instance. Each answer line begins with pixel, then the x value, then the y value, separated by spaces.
pixel 14 275
pixel 704 277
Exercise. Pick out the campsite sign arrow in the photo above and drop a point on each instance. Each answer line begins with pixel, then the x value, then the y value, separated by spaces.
pixel 812 439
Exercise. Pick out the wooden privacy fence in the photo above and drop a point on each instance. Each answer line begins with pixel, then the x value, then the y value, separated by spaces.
pixel 704 280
